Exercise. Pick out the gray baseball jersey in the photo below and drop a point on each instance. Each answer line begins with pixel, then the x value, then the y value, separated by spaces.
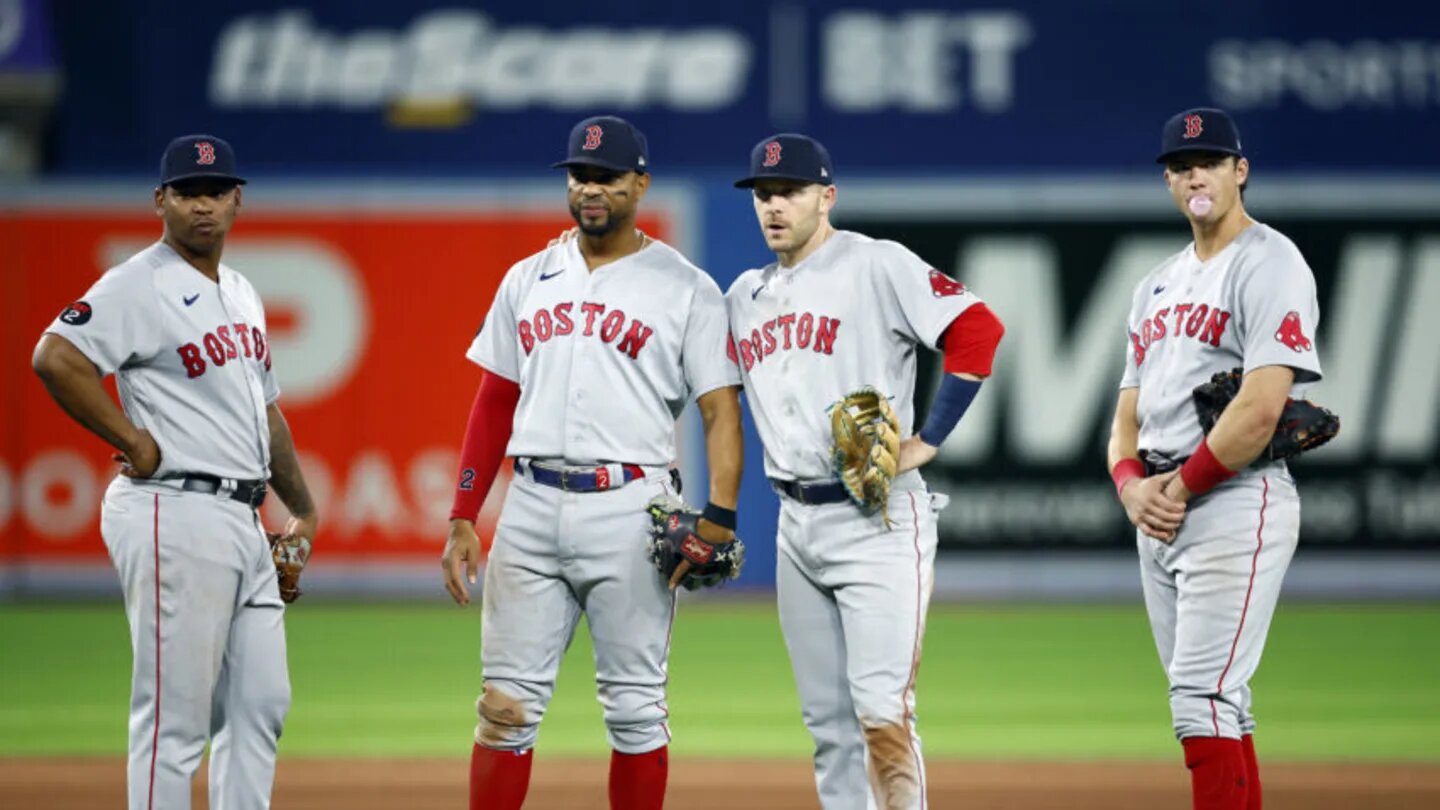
pixel 190 360
pixel 1251 305
pixel 850 315
pixel 606 360
pixel 193 367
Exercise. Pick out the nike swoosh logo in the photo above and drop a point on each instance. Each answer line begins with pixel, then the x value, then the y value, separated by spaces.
pixel 545 276
pixel 1159 289
pixel 756 293
pixel 190 299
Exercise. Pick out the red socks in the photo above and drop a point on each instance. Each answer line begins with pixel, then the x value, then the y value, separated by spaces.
pixel 1217 773
pixel 1252 771
pixel 498 779
pixel 637 781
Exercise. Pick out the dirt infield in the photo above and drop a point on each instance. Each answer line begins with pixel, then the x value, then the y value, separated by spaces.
pixel 98 784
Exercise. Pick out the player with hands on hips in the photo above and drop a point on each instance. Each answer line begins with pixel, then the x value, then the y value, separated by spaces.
pixel 198 432
pixel 590 350
pixel 826 338
pixel 1217 516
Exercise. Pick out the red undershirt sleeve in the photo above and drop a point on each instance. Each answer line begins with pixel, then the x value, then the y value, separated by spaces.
pixel 486 435
pixel 971 340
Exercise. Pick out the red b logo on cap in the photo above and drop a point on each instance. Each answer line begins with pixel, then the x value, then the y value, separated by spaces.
pixel 1194 125
pixel 206 152
pixel 592 136
pixel 772 154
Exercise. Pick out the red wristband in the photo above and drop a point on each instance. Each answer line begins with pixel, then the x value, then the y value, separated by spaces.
pixel 1202 472
pixel 1126 470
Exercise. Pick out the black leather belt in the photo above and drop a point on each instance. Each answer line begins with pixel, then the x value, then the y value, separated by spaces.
pixel 1157 463
pixel 814 494
pixel 250 493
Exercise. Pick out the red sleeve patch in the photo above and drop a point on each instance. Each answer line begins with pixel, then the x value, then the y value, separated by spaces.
pixel 1292 335
pixel 943 286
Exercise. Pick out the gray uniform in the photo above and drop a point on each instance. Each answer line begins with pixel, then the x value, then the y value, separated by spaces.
pixel 606 360
pixel 1212 592
pixel 852 594
pixel 192 367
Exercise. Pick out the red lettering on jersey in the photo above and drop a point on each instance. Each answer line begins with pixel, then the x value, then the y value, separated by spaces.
pixel 1159 320
pixel 543 326
pixel 1292 335
pixel 231 352
pixel 243 332
pixel 768 331
pixel 190 358
pixel 1196 320
pixel 563 324
pixel 803 330
pixel 757 344
pixel 261 350
pixel 1190 320
pixel 612 325
pixel 730 350
pixel 635 338
pixel 1215 327
pixel 942 286
pixel 786 321
pixel 527 338
pixel 214 348
pixel 591 310
pixel 825 335
pixel 602 475
pixel 205 153
pixel 1180 311
pixel 772 154
pixel 747 354
pixel 593 134
pixel 1194 125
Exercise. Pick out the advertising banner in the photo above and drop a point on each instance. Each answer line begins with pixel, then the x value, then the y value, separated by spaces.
pixel 370 312
pixel 329 86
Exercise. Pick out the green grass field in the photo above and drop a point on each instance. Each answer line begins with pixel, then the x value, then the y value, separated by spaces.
pixel 1338 682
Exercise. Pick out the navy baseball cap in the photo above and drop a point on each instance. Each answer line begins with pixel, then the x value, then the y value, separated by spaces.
pixel 190 157
pixel 1203 129
pixel 789 156
pixel 608 142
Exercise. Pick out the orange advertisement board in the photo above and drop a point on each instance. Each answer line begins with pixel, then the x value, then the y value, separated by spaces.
pixel 370 314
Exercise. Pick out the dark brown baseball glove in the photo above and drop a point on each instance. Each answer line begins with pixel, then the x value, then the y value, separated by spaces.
pixel 1303 425
pixel 675 540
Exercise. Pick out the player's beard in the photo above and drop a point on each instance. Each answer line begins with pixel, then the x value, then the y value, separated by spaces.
pixel 601 228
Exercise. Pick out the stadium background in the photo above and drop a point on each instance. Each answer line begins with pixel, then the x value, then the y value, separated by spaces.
pixel 398 156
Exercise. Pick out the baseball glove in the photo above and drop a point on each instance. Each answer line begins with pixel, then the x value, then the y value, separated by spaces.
pixel 867 448
pixel 1303 425
pixel 290 552
pixel 675 539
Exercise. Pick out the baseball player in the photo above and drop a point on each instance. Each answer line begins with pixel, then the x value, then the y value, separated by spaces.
pixel 1216 527
pixel 591 349
pixel 199 432
pixel 836 312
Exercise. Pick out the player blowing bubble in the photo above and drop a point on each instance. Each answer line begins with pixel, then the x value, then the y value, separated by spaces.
pixel 591 349
pixel 1217 521
pixel 838 313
